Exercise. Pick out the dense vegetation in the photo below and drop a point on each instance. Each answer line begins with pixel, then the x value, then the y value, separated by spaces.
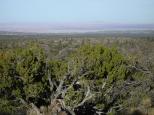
pixel 77 76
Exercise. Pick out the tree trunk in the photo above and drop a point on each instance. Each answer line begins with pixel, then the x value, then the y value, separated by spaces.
pixel 33 112
pixel 57 107
pixel 45 111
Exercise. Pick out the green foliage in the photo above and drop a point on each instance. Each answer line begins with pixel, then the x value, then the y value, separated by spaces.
pixel 103 63
pixel 73 97
pixel 100 75
pixel 109 69
pixel 22 73
pixel 58 69
pixel 6 105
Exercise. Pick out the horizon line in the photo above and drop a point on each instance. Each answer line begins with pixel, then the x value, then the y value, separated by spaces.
pixel 72 27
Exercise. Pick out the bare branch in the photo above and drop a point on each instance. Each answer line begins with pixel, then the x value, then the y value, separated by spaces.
pixel 87 97
pixel 108 90
pixel 70 110
pixel 103 86
pixel 100 112
pixel 18 77
pixel 59 88
pixel 35 108
pixel 23 101
pixel 50 82
pixel 73 83
pixel 28 105
pixel 142 69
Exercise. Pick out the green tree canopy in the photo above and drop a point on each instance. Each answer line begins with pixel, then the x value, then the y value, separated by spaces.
pixel 92 77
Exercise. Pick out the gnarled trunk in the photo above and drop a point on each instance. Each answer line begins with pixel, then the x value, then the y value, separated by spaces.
pixel 55 108
pixel 34 112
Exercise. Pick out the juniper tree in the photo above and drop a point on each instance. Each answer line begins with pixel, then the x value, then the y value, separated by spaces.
pixel 92 77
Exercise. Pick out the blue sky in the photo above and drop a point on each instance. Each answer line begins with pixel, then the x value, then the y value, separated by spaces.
pixel 78 11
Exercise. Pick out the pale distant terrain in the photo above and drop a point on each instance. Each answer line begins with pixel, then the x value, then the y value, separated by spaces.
pixel 72 27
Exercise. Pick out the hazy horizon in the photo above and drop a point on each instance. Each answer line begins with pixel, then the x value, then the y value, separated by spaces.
pixel 75 15
pixel 83 27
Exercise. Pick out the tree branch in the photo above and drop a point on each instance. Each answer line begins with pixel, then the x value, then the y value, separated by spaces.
pixel 108 90
pixel 50 82
pixel 142 69
pixel 35 108
pixel 23 101
pixel 103 86
pixel 87 97
pixel 73 83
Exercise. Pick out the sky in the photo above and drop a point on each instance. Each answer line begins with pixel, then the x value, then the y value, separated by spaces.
pixel 77 11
